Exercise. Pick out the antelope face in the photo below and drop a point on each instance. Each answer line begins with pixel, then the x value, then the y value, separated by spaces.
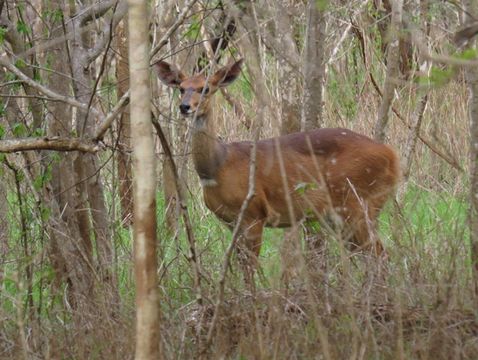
pixel 195 94
pixel 196 90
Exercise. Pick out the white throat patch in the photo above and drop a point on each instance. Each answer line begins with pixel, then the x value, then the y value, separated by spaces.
pixel 208 182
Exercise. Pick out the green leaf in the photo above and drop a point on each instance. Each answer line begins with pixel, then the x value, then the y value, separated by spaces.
pixel 313 224
pixel 3 31
pixel 322 5
pixel 437 77
pixel 467 54
pixel 193 31
pixel 22 28
pixel 20 64
pixel 2 131
pixel 45 213
pixel 57 16
pixel 301 188
pixel 2 109
pixel 38 132
pixel 19 130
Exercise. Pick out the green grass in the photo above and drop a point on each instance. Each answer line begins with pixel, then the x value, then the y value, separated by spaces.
pixel 429 222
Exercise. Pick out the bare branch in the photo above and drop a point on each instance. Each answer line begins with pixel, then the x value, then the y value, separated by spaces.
pixel 414 133
pixel 450 160
pixel 108 120
pixel 180 19
pixel 235 237
pixel 192 256
pixel 345 33
pixel 417 39
pixel 110 25
pixel 45 143
pixel 393 62
pixel 43 89
pixel 95 11
pixel 463 36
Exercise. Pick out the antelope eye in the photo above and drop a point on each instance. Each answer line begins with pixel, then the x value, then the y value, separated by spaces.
pixel 206 90
pixel 181 90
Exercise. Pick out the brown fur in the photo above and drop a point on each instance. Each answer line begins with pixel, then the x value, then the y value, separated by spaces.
pixel 329 172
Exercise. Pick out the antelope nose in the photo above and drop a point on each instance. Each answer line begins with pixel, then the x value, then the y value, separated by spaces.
pixel 184 108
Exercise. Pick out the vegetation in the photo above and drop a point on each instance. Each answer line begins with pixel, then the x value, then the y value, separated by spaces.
pixel 67 285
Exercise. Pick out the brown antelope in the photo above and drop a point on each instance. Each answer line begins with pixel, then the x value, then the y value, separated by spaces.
pixel 351 175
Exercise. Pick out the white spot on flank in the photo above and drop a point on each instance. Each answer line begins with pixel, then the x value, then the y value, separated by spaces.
pixel 208 182
pixel 333 161
pixel 343 133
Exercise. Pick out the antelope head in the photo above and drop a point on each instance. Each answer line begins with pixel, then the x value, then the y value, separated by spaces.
pixel 197 90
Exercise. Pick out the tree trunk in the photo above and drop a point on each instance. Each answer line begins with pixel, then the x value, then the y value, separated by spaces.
pixel 471 14
pixel 423 99
pixel 70 248
pixel 4 226
pixel 392 70
pixel 289 78
pixel 144 186
pixel 314 69
pixel 124 158
pixel 168 183
pixel 251 45
pixel 414 133
pixel 90 186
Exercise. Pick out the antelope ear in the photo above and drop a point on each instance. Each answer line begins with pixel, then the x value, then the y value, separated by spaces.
pixel 227 74
pixel 169 74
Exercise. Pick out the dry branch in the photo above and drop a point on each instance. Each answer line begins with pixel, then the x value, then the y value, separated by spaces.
pixel 235 237
pixel 43 89
pixel 192 256
pixel 144 186
pixel 180 19
pixel 420 43
pixel 120 12
pixel 108 120
pixel 414 133
pixel 393 61
pixel 45 143
pixel 450 160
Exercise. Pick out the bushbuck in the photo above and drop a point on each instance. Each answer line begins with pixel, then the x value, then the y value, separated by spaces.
pixel 329 173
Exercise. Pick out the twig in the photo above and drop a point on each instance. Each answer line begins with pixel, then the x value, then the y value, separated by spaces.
pixel 392 73
pixel 417 39
pixel 414 132
pixel 108 35
pixel 108 120
pixel 322 331
pixel 235 236
pixel 180 19
pixel 345 33
pixel 119 12
pixel 432 147
pixel 45 143
pixel 43 89
pixel 94 11
pixel 192 256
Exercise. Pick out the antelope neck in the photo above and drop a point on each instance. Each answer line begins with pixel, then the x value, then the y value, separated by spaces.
pixel 207 151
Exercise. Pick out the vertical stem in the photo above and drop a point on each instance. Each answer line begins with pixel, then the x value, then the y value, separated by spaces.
pixel 144 186
pixel 314 68
pixel 393 59
pixel 472 80
pixel 414 133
